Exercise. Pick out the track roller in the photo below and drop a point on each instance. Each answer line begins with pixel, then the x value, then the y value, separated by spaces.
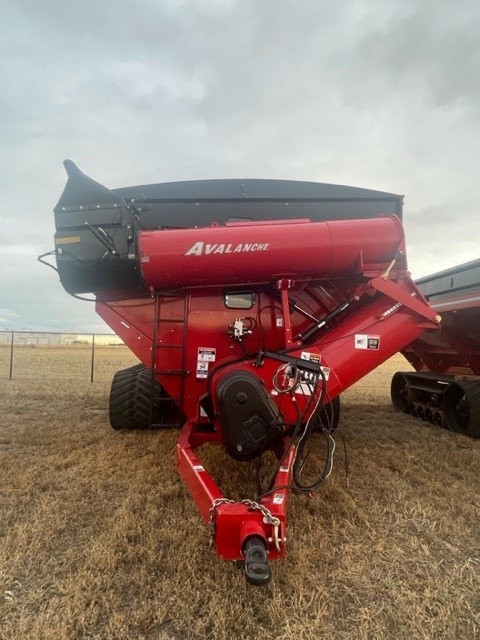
pixel 462 407
pixel 438 419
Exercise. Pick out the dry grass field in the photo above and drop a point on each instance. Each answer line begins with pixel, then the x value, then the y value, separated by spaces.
pixel 100 540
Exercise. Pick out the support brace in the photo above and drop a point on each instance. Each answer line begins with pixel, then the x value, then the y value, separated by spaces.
pixel 401 295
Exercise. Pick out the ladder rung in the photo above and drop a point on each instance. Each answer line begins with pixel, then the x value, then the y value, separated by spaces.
pixel 168 346
pixel 165 424
pixel 171 372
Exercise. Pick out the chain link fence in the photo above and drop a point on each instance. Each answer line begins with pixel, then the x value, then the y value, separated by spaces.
pixel 35 355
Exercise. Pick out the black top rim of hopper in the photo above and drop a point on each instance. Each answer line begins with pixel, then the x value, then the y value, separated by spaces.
pixel 252 190
pixel 202 202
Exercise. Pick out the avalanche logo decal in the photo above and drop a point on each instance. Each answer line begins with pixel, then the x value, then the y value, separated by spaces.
pixel 205 249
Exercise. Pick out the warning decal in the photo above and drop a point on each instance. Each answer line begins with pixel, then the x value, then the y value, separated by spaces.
pixel 204 357
pixel 206 354
pixel 364 341
pixel 202 369
pixel 311 357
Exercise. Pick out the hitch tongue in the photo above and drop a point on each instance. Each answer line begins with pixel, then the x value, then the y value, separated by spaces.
pixel 257 568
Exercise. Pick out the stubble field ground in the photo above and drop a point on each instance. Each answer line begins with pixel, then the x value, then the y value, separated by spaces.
pixel 99 538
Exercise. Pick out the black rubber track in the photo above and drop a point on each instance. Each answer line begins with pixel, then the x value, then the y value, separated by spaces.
pixel 129 406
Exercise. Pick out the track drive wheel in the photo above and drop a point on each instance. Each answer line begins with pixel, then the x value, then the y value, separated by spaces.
pixel 400 392
pixel 130 401
pixel 462 407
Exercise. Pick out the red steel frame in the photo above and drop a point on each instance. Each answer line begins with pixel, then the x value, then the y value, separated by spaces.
pixel 233 522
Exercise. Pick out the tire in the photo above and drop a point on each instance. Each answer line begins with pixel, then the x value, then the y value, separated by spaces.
pixel 130 401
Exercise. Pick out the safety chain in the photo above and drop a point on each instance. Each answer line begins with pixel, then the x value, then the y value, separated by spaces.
pixel 268 517
pixel 256 506
pixel 213 509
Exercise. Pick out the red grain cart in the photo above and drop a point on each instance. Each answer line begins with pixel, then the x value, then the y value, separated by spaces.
pixel 252 304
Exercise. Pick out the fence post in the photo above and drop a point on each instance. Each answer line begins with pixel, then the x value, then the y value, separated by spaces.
pixel 93 357
pixel 11 355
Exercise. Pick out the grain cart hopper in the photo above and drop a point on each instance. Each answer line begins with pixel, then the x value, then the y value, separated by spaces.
pixel 251 304
pixel 445 389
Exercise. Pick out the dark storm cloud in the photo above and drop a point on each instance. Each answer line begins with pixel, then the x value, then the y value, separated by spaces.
pixel 376 94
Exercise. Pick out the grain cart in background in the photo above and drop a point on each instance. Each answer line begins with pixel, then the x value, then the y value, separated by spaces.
pixel 251 304
pixel 445 389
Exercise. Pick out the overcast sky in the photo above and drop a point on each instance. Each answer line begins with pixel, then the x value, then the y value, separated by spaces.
pixel 375 94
